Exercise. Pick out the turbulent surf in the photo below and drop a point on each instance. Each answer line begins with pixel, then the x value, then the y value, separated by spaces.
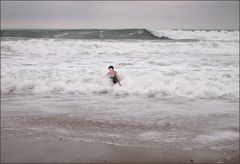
pixel 76 61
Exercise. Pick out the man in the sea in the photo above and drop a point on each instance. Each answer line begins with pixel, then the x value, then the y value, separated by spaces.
pixel 113 75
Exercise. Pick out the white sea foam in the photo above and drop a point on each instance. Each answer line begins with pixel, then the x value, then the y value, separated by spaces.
pixel 198 34
pixel 60 35
pixel 205 69
pixel 218 136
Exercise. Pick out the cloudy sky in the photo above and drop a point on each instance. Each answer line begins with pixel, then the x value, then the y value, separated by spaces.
pixel 121 14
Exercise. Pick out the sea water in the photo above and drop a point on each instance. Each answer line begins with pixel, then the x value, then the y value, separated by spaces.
pixel 177 85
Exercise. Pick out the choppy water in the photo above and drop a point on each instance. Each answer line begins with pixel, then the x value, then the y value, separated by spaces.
pixel 180 88
pixel 207 68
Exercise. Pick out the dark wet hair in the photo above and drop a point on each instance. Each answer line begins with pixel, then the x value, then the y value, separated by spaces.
pixel 110 67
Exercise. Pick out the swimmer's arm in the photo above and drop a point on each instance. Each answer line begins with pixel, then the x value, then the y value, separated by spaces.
pixel 118 78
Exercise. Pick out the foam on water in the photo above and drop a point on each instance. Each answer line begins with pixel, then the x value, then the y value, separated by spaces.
pixel 198 34
pixel 204 69
pixel 218 136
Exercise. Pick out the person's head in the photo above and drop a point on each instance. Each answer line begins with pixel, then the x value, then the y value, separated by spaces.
pixel 111 68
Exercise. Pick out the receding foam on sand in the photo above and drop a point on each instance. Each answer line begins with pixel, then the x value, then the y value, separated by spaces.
pixel 118 129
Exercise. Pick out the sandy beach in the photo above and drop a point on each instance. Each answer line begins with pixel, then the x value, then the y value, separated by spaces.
pixel 33 129
pixel 15 150
pixel 120 82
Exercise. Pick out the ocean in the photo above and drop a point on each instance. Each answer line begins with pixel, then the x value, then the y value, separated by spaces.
pixel 179 87
pixel 161 63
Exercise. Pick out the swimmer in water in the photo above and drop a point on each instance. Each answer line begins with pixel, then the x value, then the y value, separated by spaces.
pixel 113 75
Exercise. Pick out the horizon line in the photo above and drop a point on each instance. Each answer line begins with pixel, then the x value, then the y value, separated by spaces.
pixel 118 28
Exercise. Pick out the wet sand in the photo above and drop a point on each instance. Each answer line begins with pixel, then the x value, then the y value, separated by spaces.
pixel 60 151
pixel 66 130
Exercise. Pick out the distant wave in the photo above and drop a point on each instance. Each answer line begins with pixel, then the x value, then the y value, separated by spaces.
pixel 84 34
pixel 142 34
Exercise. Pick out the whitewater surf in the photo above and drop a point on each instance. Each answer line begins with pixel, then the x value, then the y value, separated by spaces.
pixel 179 93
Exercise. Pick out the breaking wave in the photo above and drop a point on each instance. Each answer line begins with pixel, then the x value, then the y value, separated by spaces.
pixel 205 69
pixel 222 35
pixel 83 34
pixel 169 84
pixel 142 34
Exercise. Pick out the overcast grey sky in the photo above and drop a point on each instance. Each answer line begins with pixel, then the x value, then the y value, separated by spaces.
pixel 121 14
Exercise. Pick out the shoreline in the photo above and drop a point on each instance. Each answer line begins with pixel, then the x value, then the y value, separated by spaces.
pixel 124 130
pixel 61 151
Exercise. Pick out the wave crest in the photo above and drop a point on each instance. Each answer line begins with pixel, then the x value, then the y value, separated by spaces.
pixel 151 85
pixel 197 34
